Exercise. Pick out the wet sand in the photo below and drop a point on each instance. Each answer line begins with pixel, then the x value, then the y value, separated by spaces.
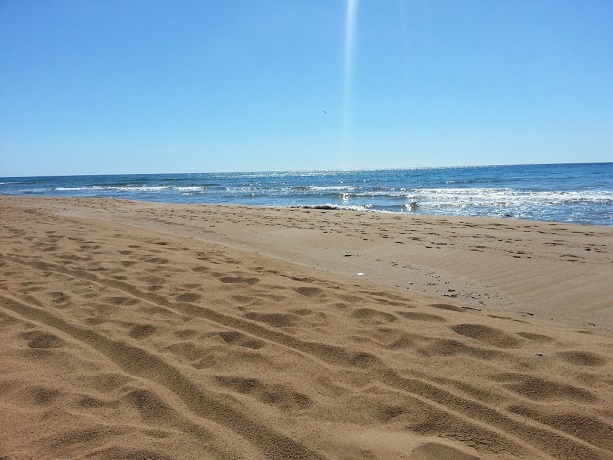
pixel 144 330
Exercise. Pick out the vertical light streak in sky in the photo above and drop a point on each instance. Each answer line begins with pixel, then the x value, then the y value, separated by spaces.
pixel 349 72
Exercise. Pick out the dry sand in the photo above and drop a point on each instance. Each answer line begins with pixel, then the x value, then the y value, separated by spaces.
pixel 153 331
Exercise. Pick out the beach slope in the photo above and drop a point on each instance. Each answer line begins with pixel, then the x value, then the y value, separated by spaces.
pixel 146 330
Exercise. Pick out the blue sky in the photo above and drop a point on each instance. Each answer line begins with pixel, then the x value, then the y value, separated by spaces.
pixel 93 87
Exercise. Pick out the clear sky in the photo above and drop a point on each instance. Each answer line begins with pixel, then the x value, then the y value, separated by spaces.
pixel 116 86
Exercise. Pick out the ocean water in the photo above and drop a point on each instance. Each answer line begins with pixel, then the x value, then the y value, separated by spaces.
pixel 576 193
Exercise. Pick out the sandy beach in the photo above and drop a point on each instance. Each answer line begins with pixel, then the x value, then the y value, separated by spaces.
pixel 132 330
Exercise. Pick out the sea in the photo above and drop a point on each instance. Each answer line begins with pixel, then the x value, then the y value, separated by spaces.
pixel 574 193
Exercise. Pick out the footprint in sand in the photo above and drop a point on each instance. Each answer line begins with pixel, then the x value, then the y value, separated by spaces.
pixel 434 451
pixel 241 340
pixel 420 316
pixel 186 333
pixel 41 396
pixel 120 300
pixel 582 358
pixel 141 331
pixel 448 347
pixel 277 395
pixel 59 297
pixel 308 291
pixel 273 319
pixel 444 306
pixel 373 315
pixel 200 269
pixel 90 402
pixel 537 389
pixel 540 338
pixel 157 260
pixel 239 279
pixel 39 339
pixel 188 297
pixel 488 335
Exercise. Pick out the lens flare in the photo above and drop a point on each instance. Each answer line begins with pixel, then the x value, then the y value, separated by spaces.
pixel 349 72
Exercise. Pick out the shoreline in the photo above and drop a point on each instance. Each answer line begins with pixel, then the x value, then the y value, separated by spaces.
pixel 135 329
pixel 315 207
pixel 577 193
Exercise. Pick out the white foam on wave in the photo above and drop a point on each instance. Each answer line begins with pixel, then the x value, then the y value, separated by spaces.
pixel 198 188
pixel 74 189
pixel 123 188
pixel 332 188
pixel 506 197
pixel 141 188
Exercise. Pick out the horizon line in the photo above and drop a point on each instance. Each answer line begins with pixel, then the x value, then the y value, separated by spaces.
pixel 287 171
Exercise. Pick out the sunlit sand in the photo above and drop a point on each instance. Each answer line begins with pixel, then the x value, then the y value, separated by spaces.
pixel 138 330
